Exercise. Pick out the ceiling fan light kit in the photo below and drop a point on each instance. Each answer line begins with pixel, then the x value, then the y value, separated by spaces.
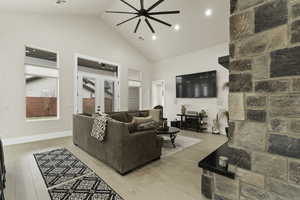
pixel 146 13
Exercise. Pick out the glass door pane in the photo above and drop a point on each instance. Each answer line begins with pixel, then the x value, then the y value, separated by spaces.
pixel 88 95
pixel 96 94
pixel 109 96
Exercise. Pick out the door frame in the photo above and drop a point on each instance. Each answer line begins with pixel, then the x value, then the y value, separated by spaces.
pixel 154 83
pixel 75 76
pixel 140 86
pixel 140 93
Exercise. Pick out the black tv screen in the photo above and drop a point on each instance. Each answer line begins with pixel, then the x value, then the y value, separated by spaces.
pixel 199 85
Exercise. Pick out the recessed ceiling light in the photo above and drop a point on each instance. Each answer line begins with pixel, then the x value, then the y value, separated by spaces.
pixel 208 12
pixel 154 37
pixel 177 27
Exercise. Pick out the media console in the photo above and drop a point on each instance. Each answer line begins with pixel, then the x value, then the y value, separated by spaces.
pixel 193 122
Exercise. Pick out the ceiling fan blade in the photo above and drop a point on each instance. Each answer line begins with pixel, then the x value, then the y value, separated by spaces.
pixel 155 5
pixel 159 21
pixel 150 26
pixel 142 4
pixel 127 20
pixel 121 12
pixel 165 12
pixel 131 6
pixel 137 26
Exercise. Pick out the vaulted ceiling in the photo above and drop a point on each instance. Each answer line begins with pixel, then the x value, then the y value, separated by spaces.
pixel 197 31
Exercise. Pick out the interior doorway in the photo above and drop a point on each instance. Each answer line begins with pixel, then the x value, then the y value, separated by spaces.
pixel 134 90
pixel 97 86
pixel 158 93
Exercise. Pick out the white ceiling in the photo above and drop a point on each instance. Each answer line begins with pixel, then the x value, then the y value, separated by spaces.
pixel 197 30
pixel 75 7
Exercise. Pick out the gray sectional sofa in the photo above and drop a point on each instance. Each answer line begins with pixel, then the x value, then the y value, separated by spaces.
pixel 121 150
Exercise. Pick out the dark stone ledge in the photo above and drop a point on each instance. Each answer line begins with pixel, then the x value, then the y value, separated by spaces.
pixel 236 157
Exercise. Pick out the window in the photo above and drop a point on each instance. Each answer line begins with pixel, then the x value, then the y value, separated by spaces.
pixel 41 82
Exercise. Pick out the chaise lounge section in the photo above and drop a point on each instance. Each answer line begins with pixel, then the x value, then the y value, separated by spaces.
pixel 121 150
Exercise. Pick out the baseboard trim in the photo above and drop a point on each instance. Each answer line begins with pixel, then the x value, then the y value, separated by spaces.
pixel 35 138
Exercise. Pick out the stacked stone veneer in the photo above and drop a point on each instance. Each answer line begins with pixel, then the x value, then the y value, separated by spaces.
pixel 264 102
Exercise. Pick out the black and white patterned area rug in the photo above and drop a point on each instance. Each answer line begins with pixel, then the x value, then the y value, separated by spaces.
pixel 67 178
pixel 60 165
pixel 89 187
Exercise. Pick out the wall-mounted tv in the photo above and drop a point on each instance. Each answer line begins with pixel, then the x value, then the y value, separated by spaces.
pixel 199 85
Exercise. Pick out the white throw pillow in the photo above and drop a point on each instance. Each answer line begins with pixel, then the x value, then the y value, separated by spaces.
pixel 139 120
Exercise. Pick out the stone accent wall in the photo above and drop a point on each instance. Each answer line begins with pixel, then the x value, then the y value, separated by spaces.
pixel 264 101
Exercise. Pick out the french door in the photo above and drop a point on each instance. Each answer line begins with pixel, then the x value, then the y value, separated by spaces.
pixel 97 93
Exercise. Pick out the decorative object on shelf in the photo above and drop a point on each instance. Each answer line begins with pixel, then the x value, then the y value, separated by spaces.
pixel 183 109
pixel 190 112
pixel 216 127
pixel 146 13
pixel 226 114
pixel 220 124
pixel 203 113
pixel 223 162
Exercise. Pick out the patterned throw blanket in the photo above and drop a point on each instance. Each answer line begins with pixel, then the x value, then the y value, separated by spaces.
pixel 99 127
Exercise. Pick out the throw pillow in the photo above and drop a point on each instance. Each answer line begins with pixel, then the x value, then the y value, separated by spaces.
pixel 143 114
pixel 139 120
pixel 121 117
pixel 147 126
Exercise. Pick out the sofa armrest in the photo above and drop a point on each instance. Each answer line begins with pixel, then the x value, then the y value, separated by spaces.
pixel 141 143
pixel 150 134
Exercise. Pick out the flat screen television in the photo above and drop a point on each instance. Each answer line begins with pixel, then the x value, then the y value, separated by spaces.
pixel 199 85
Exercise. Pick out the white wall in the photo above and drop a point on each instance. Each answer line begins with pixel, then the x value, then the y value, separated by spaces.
pixel 200 61
pixel 67 35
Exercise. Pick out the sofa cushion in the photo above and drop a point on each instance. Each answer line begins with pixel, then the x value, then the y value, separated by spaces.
pixel 139 120
pixel 143 114
pixel 121 117
pixel 150 125
pixel 131 115
pixel 155 113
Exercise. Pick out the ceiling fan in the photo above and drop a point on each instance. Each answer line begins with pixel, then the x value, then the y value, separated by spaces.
pixel 145 12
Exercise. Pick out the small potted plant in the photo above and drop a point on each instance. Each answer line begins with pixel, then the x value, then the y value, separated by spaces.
pixel 183 109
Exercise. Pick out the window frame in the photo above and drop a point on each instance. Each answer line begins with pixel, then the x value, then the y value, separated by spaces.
pixel 57 68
